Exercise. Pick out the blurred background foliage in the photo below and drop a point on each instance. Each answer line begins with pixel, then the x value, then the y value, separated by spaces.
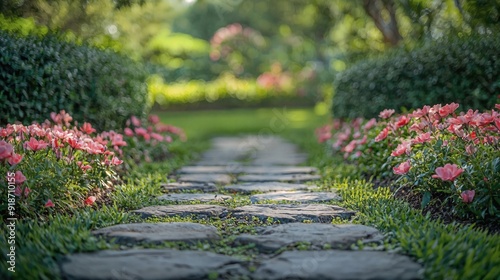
pixel 235 52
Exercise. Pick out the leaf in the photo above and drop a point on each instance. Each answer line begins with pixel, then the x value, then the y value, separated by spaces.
pixel 426 199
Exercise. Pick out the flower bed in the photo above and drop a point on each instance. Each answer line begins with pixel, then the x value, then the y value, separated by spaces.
pixel 447 157
pixel 59 165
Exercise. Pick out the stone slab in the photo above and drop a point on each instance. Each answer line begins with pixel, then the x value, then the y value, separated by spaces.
pixel 278 170
pixel 183 210
pixel 158 232
pixel 210 169
pixel 300 197
pixel 178 187
pixel 273 238
pixel 290 213
pixel 150 264
pixel 187 197
pixel 297 178
pixel 277 158
pixel 267 187
pixel 338 265
pixel 222 179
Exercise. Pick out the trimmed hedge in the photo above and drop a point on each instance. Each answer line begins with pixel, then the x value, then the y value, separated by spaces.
pixel 43 75
pixel 461 70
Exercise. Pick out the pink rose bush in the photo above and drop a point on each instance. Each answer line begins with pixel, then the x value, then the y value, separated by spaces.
pixel 442 153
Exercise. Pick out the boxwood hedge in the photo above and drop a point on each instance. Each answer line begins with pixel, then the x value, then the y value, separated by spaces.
pixel 39 75
pixel 462 70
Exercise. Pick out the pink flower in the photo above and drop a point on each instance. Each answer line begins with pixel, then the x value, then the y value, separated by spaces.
pixel 449 172
pixel 116 161
pixel 497 106
pixel 371 123
pixel 402 148
pixel 15 159
pixel 420 112
pixel 468 196
pixel 87 128
pixel 19 178
pixel 49 203
pixel 35 145
pixel 127 131
pixel 154 119
pixel 402 121
pixel 135 121
pixel 422 138
pixel 387 113
pixel 448 109
pixel 117 140
pixel 89 201
pixel 402 168
pixel 83 166
pixel 18 191
pixel 470 149
pixel 382 135
pixel 157 137
pixel 6 150
pixel 141 131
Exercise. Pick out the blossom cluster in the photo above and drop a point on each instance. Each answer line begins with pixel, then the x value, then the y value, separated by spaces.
pixel 435 150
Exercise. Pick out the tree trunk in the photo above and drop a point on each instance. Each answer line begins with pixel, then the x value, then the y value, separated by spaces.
pixel 388 26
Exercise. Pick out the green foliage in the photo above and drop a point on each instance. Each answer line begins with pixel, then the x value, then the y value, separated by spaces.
pixel 462 70
pixel 43 75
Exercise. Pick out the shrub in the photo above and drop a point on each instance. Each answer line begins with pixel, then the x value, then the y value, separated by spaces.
pixel 43 75
pixel 54 166
pixel 463 70
pixel 435 151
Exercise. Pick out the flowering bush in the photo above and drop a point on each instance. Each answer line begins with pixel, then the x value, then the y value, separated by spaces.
pixel 146 139
pixel 453 157
pixel 54 165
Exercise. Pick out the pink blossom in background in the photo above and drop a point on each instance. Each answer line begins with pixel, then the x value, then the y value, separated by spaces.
pixel 154 119
pixel 420 112
pixel 15 159
pixel 449 172
pixel 19 191
pixel 128 132
pixel 382 135
pixel 448 109
pixel 6 150
pixel 468 196
pixel 387 113
pixel 470 149
pixel 19 178
pixel 402 168
pixel 403 148
pixel 402 121
pixel 422 138
pixel 135 121
pixel 35 145
pixel 371 123
pixel 49 203
pixel 157 137
pixel 89 200
pixel 87 128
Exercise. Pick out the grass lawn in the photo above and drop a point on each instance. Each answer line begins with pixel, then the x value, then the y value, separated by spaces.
pixel 446 251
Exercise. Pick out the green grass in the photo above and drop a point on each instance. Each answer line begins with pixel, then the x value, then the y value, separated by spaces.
pixel 201 125
pixel 446 251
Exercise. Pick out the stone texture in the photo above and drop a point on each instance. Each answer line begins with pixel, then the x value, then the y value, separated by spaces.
pixel 150 264
pixel 217 169
pixel 278 170
pixel 278 158
pixel 335 264
pixel 267 187
pixel 186 197
pixel 297 178
pixel 198 210
pixel 222 179
pixel 177 187
pixel 289 213
pixel 158 232
pixel 272 238
pixel 300 197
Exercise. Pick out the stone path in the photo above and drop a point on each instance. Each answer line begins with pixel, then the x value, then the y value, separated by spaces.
pixel 266 170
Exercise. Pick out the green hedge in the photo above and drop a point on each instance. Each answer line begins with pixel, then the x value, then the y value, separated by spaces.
pixel 466 71
pixel 43 75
